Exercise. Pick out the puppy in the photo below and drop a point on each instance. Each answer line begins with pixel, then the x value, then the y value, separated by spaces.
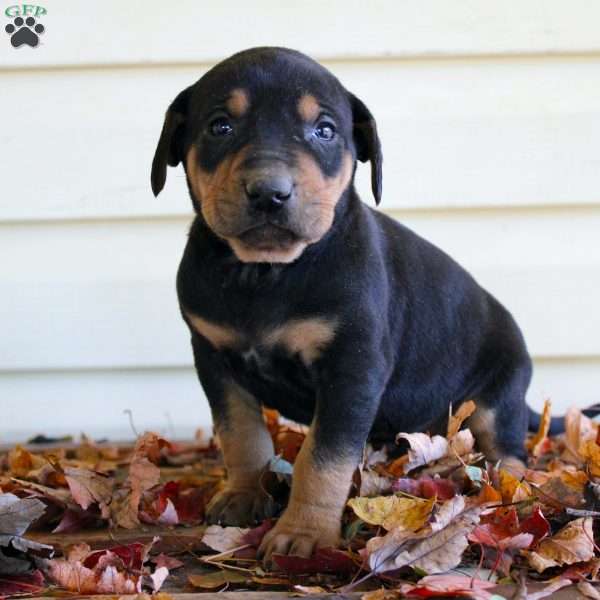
pixel 301 298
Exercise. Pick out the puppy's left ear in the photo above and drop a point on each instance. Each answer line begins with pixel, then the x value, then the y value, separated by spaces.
pixel 366 140
pixel 169 150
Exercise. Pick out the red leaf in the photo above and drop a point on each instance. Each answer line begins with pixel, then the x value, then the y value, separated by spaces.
pixel 33 583
pixel 255 536
pixel 324 560
pixel 426 487
pixel 537 525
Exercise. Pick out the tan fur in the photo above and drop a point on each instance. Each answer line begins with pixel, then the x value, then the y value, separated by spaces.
pixel 219 192
pixel 245 441
pixel 277 255
pixel 482 424
pixel 220 336
pixel 238 103
pixel 319 194
pixel 305 337
pixel 309 108
pixel 317 500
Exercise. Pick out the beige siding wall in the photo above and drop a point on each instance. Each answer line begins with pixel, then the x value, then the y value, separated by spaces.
pixel 490 122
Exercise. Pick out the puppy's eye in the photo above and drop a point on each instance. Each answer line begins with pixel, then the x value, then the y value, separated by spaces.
pixel 220 127
pixel 325 130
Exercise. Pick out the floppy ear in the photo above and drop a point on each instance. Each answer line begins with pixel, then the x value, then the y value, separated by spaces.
pixel 366 140
pixel 170 145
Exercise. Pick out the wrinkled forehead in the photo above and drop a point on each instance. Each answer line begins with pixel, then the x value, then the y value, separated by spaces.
pixel 274 82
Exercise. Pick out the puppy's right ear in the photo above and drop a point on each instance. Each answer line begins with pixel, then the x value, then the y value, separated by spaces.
pixel 170 145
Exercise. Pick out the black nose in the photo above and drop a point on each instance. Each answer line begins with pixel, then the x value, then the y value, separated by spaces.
pixel 269 193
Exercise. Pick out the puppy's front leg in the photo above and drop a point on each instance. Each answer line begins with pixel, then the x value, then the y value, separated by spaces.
pixel 245 441
pixel 247 448
pixel 323 470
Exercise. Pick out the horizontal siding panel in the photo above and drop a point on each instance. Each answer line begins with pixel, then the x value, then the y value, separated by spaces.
pixel 102 294
pixel 171 401
pixel 455 134
pixel 102 32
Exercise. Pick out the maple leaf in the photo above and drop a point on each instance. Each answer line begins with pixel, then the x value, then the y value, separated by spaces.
pixel 438 547
pixel 21 462
pixel 393 512
pixel 590 452
pixel 450 585
pixel 535 445
pixel 572 544
pixel 423 449
pixel 578 430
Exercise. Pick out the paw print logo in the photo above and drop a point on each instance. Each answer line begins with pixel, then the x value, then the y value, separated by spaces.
pixel 24 31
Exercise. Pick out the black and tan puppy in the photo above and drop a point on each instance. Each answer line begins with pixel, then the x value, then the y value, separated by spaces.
pixel 301 298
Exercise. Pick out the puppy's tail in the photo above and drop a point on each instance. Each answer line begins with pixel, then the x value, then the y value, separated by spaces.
pixel 557 424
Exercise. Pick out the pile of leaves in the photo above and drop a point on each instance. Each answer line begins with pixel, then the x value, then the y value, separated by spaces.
pixel 437 520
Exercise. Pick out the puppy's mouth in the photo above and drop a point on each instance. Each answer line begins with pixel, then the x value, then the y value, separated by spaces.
pixel 268 237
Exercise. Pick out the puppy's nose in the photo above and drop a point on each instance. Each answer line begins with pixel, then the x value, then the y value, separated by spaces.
pixel 269 193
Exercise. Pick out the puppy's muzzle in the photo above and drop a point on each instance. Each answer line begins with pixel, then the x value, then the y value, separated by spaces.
pixel 268 192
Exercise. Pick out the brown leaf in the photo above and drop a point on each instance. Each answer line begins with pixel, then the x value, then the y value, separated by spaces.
pixel 572 544
pixel 450 585
pixel 536 443
pixel 465 410
pixel 223 539
pixel 588 590
pixel 213 581
pixel 89 487
pixel 435 549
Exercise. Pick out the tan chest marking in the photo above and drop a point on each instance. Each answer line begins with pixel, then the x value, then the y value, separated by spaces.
pixel 306 337
pixel 220 336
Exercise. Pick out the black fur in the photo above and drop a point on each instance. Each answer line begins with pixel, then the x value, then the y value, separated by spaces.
pixel 416 332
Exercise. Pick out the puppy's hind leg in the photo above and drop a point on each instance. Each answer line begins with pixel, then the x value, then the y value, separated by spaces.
pixel 501 420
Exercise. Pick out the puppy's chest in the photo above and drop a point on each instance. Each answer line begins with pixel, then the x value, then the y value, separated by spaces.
pixel 293 345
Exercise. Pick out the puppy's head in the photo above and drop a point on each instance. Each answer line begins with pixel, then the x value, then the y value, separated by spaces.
pixel 268 139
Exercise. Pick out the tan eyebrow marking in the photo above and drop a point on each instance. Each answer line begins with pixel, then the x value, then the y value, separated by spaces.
pixel 238 103
pixel 309 108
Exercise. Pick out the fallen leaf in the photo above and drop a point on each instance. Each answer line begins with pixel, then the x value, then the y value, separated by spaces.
pixel 324 560
pixel 393 511
pixel 590 452
pixel 423 449
pixel 224 539
pixel 465 410
pixel 573 543
pixel 537 525
pixel 171 563
pixel 462 443
pixel 437 548
pixel 552 586
pixel 450 585
pixel 578 430
pixel 217 579
pixel 12 585
pixel 89 487
pixel 426 487
pixel 536 443
pixel 588 590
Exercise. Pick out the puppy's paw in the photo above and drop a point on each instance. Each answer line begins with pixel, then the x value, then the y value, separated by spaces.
pixel 298 538
pixel 240 507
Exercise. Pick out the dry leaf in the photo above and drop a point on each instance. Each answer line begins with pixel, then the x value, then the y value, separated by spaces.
pixel 89 487
pixel 462 443
pixel 393 511
pixel 450 585
pixel 423 449
pixel 437 548
pixel 588 590
pixel 578 430
pixel 536 443
pixel 465 410
pixel 573 543
pixel 224 539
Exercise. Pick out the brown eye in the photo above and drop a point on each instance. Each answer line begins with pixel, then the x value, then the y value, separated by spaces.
pixel 220 127
pixel 325 130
